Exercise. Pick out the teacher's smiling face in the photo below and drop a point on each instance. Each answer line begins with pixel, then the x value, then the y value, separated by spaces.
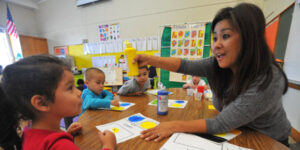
pixel 226 44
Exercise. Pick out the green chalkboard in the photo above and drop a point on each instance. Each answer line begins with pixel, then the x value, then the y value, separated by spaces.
pixel 165 52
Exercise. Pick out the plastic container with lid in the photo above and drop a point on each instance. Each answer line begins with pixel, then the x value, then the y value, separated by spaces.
pixel 162 102
pixel 130 54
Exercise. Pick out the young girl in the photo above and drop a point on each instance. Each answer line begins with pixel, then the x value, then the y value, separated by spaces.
pixel 194 83
pixel 246 81
pixel 41 89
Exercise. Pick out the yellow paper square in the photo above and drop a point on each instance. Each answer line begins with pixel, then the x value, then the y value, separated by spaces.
pixel 211 107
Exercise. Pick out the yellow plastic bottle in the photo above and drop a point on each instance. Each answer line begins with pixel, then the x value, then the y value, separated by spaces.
pixel 130 54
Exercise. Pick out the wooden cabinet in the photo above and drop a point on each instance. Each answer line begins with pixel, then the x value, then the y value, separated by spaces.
pixel 33 45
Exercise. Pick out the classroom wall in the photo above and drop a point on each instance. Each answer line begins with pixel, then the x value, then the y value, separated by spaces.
pixel 24 18
pixel 63 23
pixel 273 8
pixel 291 100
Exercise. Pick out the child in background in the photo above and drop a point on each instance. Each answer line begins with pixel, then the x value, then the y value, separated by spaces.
pixel 41 89
pixel 80 84
pixel 194 83
pixel 94 96
pixel 152 75
pixel 137 85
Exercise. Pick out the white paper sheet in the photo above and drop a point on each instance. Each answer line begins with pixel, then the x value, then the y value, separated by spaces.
pixel 155 43
pixel 171 103
pixel 123 106
pixel 229 135
pixel 149 44
pixel 129 127
pixel 180 141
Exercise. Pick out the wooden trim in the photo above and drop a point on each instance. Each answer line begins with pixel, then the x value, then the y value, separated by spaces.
pixel 295 86
pixel 295 135
pixel 40 38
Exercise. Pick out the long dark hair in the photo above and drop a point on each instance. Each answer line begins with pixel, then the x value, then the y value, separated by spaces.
pixel 255 59
pixel 39 74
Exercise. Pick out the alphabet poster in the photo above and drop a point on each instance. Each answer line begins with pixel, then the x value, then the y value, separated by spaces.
pixel 187 42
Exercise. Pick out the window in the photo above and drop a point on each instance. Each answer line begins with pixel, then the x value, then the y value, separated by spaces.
pixel 6 55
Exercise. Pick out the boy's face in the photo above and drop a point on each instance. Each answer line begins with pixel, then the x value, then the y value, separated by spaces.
pixel 196 79
pixel 96 83
pixel 143 76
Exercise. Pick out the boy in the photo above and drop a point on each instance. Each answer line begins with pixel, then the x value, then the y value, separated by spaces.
pixel 196 80
pixel 94 96
pixel 137 85
pixel 80 84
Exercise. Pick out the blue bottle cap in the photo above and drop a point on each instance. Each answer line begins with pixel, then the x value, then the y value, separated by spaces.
pixel 162 92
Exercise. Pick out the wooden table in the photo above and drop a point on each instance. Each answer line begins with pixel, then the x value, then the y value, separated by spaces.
pixel 89 140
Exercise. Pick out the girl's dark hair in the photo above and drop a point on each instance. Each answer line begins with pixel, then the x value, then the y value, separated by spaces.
pixel 146 67
pixel 34 75
pixel 255 60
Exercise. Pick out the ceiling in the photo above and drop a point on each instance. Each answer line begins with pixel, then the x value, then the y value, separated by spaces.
pixel 33 4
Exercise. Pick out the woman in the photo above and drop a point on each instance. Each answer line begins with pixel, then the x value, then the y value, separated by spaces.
pixel 246 81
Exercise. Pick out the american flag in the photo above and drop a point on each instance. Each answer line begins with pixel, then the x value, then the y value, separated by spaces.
pixel 11 28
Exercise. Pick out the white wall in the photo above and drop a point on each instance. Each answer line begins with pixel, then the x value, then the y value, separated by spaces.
pixel 63 23
pixel 273 8
pixel 291 103
pixel 24 18
pixel 291 67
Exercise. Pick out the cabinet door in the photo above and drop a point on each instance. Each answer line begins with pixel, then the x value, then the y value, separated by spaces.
pixel 33 45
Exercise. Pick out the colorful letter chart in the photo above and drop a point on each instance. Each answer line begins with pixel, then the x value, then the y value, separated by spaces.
pixel 123 106
pixel 179 141
pixel 129 127
pixel 171 103
pixel 187 42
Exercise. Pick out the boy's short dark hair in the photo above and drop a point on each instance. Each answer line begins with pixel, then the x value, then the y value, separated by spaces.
pixel 89 72
pixel 80 81
pixel 146 67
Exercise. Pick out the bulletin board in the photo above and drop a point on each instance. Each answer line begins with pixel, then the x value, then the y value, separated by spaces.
pixel 61 50
pixel 166 52
pixel 85 61
pixel 187 42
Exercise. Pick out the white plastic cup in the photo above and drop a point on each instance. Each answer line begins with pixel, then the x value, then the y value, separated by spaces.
pixel 198 96
pixel 190 92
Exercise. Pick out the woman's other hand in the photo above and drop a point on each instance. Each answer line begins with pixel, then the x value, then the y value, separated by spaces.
pixel 163 130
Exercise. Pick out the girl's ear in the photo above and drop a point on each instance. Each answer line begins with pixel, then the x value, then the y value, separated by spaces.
pixel 40 103
pixel 86 82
